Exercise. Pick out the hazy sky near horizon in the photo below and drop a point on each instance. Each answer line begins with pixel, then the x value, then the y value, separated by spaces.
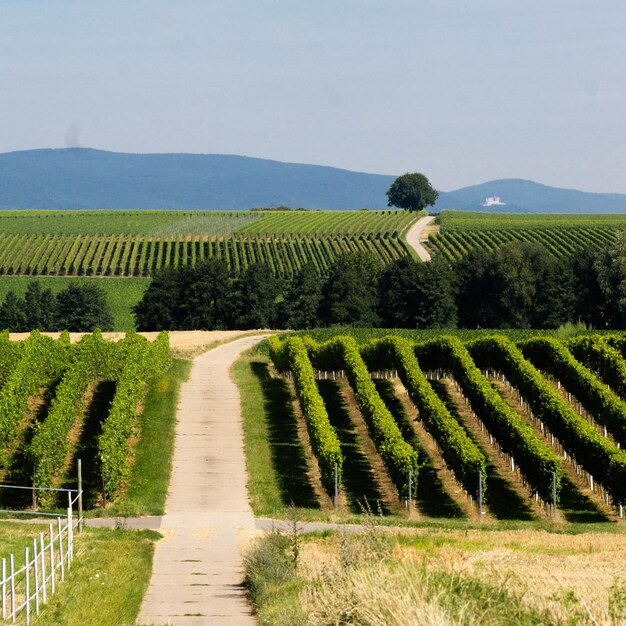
pixel 464 91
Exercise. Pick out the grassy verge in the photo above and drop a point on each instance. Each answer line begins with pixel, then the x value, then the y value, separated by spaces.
pixel 108 579
pixel 122 293
pixel 151 470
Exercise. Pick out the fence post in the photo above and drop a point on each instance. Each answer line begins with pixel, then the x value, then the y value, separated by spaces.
pixel 52 567
pixel 70 537
pixel 61 555
pixel 12 563
pixel 27 582
pixel 80 495
pixel 36 575
pixel 42 552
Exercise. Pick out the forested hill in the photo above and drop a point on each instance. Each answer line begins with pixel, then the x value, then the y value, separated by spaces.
pixel 83 178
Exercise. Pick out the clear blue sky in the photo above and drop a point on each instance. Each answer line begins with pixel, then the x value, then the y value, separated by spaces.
pixel 462 90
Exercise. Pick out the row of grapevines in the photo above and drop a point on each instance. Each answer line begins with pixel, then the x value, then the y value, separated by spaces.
pixel 553 357
pixel 91 359
pixel 10 354
pixel 605 360
pixel 459 451
pixel 597 455
pixel 142 361
pixel 291 355
pixel 536 461
pixel 399 457
pixel 42 361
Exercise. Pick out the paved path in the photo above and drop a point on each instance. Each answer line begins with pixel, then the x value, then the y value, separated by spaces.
pixel 414 236
pixel 197 573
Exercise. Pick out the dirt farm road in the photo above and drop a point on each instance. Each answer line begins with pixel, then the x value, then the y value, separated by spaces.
pixel 197 572
pixel 414 236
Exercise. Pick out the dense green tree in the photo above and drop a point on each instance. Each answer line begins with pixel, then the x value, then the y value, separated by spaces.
pixel 350 296
pixel 40 307
pixel 188 298
pixel 520 285
pixel 473 289
pixel 158 309
pixel 82 308
pixel 257 290
pixel 555 299
pixel 411 191
pixel 206 296
pixel 610 267
pixel 590 303
pixel 12 314
pixel 417 295
pixel 301 304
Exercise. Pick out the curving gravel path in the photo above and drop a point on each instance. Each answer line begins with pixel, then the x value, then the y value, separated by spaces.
pixel 414 236
pixel 197 573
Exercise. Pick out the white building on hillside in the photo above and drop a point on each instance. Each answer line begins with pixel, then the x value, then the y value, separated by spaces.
pixel 493 201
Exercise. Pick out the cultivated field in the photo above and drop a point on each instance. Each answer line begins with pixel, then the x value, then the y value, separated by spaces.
pixel 120 243
pixel 562 235
pixel 512 424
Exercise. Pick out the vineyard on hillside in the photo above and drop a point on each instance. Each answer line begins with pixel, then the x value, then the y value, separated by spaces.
pixel 58 400
pixel 110 243
pixel 562 235
pixel 520 425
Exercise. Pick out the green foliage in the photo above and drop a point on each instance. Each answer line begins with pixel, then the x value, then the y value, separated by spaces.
pixel 91 359
pixel 138 243
pixel 601 357
pixel 291 354
pixel 351 291
pixel 599 456
pixel 417 295
pixel 411 191
pixel 553 357
pixel 141 361
pixel 461 454
pixel 515 437
pixel 42 361
pixel 83 308
pixel 562 235
pixel 399 457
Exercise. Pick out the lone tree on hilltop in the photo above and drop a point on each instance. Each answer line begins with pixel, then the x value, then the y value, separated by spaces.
pixel 412 192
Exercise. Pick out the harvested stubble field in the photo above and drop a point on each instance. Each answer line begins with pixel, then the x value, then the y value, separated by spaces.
pixel 439 576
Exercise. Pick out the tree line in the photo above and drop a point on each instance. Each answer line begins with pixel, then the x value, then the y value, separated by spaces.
pixel 518 286
pixel 78 308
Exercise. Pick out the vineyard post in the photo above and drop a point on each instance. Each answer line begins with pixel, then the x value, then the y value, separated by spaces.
pixel 480 495
pixel 80 495
pixel 336 498
pixel 554 494
pixel 410 493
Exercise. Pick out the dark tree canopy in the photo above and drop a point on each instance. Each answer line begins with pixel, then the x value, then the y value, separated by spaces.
pixel 411 191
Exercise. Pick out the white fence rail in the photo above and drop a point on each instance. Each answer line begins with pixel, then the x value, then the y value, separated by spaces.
pixel 26 587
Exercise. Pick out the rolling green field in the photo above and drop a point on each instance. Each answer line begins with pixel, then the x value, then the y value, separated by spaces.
pixel 122 294
pixel 562 235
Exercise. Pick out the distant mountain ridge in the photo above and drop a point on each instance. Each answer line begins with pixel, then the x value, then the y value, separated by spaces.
pixel 84 178
pixel 526 196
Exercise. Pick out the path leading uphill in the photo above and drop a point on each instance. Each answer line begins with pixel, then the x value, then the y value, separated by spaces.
pixel 414 236
pixel 197 573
